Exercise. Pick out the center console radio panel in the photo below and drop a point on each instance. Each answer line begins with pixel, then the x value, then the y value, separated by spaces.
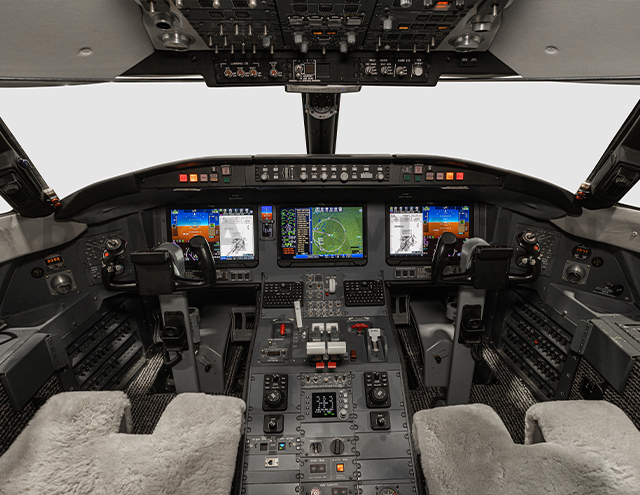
pixel 326 403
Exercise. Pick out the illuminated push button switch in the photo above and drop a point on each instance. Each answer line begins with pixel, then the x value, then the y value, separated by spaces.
pixel 184 178
pixel 213 177
pixel 440 176
pixel 226 170
pixel 193 177
pixel 340 468
pixel 204 178
pixel 407 176
pixel 450 175
pixel 430 176
pixel 459 175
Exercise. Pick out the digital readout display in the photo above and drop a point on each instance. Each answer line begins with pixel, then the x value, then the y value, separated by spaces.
pixel 324 404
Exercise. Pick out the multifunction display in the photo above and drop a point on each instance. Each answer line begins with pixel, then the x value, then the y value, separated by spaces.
pixel 230 231
pixel 324 404
pixel 321 232
pixel 414 230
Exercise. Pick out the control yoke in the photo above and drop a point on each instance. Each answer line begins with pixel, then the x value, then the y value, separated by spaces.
pixel 159 271
pixel 484 266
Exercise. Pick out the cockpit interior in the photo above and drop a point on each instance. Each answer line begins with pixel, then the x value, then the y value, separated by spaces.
pixel 320 323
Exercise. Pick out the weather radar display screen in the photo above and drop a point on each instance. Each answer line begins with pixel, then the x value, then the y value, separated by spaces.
pixel 230 231
pixel 321 232
pixel 414 230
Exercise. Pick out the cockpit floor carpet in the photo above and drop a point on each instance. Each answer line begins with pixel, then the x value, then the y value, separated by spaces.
pixel 147 406
pixel 13 422
pixel 507 395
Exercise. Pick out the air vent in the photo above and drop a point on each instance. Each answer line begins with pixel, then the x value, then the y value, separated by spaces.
pixel 240 4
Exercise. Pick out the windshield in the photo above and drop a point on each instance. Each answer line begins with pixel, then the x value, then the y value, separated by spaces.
pixel 77 135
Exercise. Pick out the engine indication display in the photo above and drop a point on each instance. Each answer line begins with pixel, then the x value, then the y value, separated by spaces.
pixel 414 230
pixel 230 231
pixel 324 404
pixel 322 232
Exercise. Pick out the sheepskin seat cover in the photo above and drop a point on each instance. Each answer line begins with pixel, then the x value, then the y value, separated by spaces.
pixel 586 448
pixel 73 446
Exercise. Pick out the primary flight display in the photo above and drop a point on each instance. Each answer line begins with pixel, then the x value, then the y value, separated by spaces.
pixel 230 231
pixel 321 232
pixel 414 230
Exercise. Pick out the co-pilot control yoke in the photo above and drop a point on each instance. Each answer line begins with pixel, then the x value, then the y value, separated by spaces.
pixel 482 267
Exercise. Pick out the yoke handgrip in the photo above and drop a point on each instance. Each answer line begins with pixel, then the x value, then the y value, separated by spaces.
pixel 206 265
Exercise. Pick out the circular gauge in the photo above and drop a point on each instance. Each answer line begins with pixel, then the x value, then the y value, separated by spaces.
pixel 387 491
pixel 581 252
pixel 597 262
pixel 37 272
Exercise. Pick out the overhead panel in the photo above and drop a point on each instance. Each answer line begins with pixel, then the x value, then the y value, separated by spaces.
pixel 339 25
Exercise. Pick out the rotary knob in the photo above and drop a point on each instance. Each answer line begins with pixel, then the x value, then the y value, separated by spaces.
pixel 303 176
pixel 379 395
pixel 381 421
pixel 529 238
pixel 344 177
pixel 324 176
pixel 114 247
pixel 273 398
pixel 337 446
pixel 264 176
pixel 380 176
